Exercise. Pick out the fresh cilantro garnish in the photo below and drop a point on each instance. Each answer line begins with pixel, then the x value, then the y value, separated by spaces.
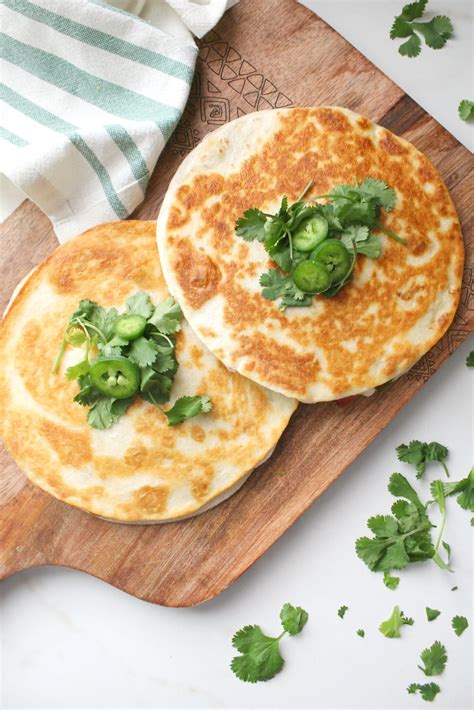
pixel 419 453
pixel 459 624
pixel 470 359
pixel 136 357
pixel 106 411
pixel 360 632
pixel 435 32
pixel 428 691
pixel 140 304
pixel 464 487
pixel 391 627
pixel 187 407
pixel 401 538
pixel 342 610
pixel 275 285
pixel 351 216
pixel 434 659
pixel 390 581
pixel 432 614
pixel 466 113
pixel 260 657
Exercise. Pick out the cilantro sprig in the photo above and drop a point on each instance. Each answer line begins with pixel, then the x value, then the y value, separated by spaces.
pixel 435 32
pixel 434 659
pixel 391 627
pixel 419 453
pixel 428 691
pixel 466 110
pixel 260 658
pixel 463 488
pixel 145 361
pixel 351 215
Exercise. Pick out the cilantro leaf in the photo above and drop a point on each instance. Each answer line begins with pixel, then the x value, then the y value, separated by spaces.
pixel 252 225
pixel 466 113
pixel 275 285
pixel 186 408
pixel 139 304
pixel 293 618
pixel 428 691
pixel 360 632
pixel 436 32
pixel 342 610
pixel 87 393
pixel 420 453
pixel 103 320
pixel 390 581
pixel 414 10
pixel 459 624
pixel 260 657
pixel 143 351
pixel 366 243
pixel 465 488
pixel 167 317
pixel 391 627
pixel 386 196
pixel 155 387
pixel 78 370
pixel 432 614
pixel 470 357
pixel 410 48
pixel 434 659
pixel 106 411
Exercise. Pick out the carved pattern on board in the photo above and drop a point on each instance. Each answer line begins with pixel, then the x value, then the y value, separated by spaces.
pixel 206 100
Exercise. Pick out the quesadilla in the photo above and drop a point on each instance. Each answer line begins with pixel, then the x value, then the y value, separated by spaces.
pixel 391 311
pixel 140 469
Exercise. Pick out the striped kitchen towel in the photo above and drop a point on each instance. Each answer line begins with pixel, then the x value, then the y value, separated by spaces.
pixel 89 96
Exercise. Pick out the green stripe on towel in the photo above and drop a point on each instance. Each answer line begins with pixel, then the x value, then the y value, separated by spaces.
pixel 96 38
pixel 106 95
pixel 54 123
pixel 12 138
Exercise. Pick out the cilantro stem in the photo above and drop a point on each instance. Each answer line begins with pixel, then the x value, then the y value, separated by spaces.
pixel 291 243
pixel 308 187
pixel 86 324
pixel 445 468
pixel 59 357
pixel 165 337
pixel 389 233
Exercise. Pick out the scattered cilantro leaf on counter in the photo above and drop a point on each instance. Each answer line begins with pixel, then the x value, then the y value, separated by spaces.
pixel 435 32
pixel 434 659
pixel 466 113
pixel 390 581
pixel 187 407
pixel 432 614
pixel 428 691
pixel 459 624
pixel 360 632
pixel 342 610
pixel 465 489
pixel 401 538
pixel 419 453
pixel 127 356
pixel 391 627
pixel 454 589
pixel 470 359
pixel 293 618
pixel 260 657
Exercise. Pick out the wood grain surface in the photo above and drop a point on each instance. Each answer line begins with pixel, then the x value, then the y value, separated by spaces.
pixel 263 54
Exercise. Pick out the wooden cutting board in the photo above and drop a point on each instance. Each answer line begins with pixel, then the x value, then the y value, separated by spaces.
pixel 263 54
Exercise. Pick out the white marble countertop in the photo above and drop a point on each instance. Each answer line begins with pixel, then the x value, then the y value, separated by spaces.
pixel 71 641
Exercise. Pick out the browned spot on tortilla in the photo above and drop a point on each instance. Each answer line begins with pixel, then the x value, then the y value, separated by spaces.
pixel 196 272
